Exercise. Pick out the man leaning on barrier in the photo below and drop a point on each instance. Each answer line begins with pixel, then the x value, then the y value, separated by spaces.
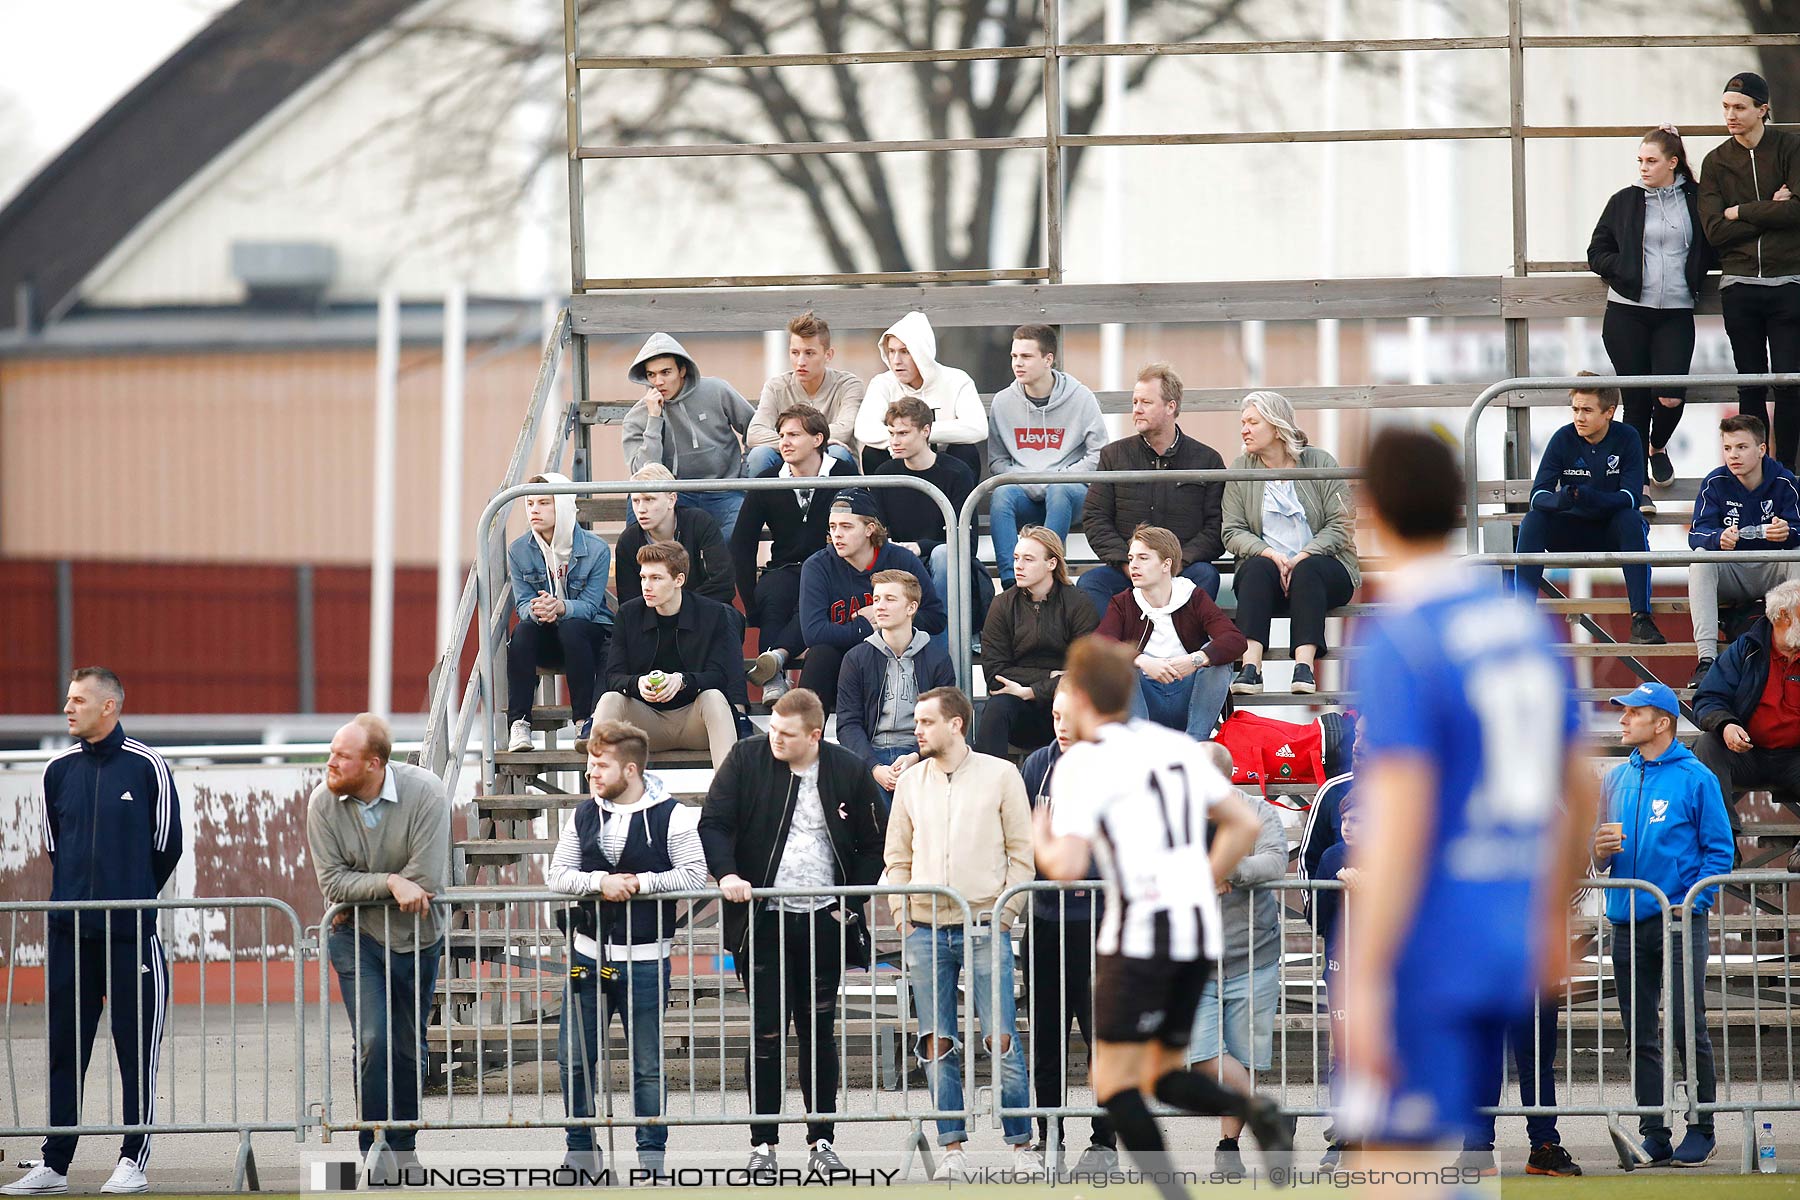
pixel 633 840
pixel 791 810
pixel 379 831
pixel 112 828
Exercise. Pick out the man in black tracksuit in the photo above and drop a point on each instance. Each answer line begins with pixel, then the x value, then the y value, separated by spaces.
pixel 112 824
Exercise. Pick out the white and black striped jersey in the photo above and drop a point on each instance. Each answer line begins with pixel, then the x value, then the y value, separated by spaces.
pixel 1140 793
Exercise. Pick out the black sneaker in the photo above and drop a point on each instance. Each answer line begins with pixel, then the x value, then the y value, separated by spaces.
pixel 1333 1158
pixel 1699 675
pixel 1551 1159
pixel 1248 682
pixel 1227 1158
pixel 823 1161
pixel 762 1162
pixel 1662 474
pixel 1644 631
pixel 1097 1160
pixel 1480 1160
pixel 1647 506
pixel 1273 1132
pixel 1304 679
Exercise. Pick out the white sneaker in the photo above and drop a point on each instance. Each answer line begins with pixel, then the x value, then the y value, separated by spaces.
pixel 766 666
pixel 519 740
pixel 775 689
pixel 126 1177
pixel 39 1181
pixel 1027 1163
pixel 953 1169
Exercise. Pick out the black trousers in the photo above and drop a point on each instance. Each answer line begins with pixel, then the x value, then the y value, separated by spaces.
pixel 124 973
pixel 1754 768
pixel 1318 585
pixel 1763 324
pixel 1649 341
pixel 1062 988
pixel 1637 970
pixel 1010 721
pixel 820 673
pixel 578 647
pixel 792 966
pixel 775 610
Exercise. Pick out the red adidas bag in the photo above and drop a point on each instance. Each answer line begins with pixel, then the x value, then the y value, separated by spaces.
pixel 1264 750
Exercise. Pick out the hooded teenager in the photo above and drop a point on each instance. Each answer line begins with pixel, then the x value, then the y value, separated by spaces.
pixel 692 424
pixel 909 348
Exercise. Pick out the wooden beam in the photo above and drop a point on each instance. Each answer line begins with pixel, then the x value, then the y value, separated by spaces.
pixel 766 281
pixel 1553 297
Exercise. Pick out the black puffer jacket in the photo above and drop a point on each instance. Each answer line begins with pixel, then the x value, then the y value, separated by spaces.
pixel 1616 251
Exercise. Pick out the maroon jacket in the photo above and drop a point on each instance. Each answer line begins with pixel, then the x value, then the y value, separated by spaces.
pixel 1202 625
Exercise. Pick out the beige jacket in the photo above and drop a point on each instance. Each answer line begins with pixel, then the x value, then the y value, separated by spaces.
pixel 970 831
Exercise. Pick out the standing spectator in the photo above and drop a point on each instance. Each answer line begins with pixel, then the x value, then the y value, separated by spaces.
pixel 676 670
pixel 1190 510
pixel 1651 251
pixel 1585 496
pixel 1749 704
pixel 661 519
pixel 961 820
pixel 1532 1040
pixel 634 840
pixel 1665 824
pixel 838 582
pixel 1234 1026
pixel 1028 634
pixel 796 522
pixel 789 810
pixel 380 831
pixel 691 424
pixel 112 828
pixel 1060 955
pixel 1746 191
pixel 1043 421
pixel 909 348
pixel 558 572
pixel 1750 503
pixel 1326 909
pixel 913 519
pixel 1185 643
pixel 813 382
pixel 1294 541
pixel 882 678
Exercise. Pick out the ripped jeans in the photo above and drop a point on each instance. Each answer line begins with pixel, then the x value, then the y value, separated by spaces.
pixel 792 967
pixel 934 960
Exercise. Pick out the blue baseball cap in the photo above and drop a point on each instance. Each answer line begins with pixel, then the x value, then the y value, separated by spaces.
pixel 1650 695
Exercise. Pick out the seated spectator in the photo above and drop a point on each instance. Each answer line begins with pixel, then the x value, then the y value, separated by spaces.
pixel 813 382
pixel 838 582
pixel 1234 1025
pixel 883 677
pixel 1749 703
pixel 558 572
pixel 1043 421
pixel 676 668
pixel 658 518
pixel 1185 642
pixel 913 519
pixel 795 521
pixel 1750 503
pixel 1028 633
pixel 959 425
pixel 692 425
pixel 1294 541
pixel 1585 496
pixel 1189 510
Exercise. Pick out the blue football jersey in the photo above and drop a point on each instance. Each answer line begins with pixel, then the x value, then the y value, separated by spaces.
pixel 1468 676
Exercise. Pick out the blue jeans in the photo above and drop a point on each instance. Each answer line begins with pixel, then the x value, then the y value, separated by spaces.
pixel 1011 509
pixel 722 505
pixel 1191 704
pixel 638 993
pixel 1248 1020
pixel 1533 1041
pixel 1625 529
pixel 1105 581
pixel 389 1028
pixel 934 960
pixel 887 756
pixel 761 458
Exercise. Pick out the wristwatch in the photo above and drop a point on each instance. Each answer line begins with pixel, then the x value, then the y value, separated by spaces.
pixel 1198 658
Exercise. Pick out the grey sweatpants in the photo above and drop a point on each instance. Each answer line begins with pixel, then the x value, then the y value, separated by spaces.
pixel 1708 582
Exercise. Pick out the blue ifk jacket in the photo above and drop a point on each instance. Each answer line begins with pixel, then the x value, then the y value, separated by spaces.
pixel 1725 503
pixel 1677 831
pixel 1590 480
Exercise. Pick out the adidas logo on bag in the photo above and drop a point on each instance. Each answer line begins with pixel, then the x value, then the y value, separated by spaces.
pixel 1286 751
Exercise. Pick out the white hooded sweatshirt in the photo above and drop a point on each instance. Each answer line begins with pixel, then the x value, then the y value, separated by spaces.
pixel 562 539
pixel 960 419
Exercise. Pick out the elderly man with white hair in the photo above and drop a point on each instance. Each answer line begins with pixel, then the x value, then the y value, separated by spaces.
pixel 1749 705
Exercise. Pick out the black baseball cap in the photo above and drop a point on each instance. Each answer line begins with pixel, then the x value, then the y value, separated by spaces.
pixel 1749 83
pixel 860 501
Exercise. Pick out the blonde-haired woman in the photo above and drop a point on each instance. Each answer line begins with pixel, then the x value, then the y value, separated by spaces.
pixel 1024 640
pixel 1294 541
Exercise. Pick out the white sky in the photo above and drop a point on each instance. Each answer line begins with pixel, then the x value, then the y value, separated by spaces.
pixel 63 62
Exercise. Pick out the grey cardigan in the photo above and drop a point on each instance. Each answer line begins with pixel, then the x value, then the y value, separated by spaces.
pixel 412 839
pixel 1326 502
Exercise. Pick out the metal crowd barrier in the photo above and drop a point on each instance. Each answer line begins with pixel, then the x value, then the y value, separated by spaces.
pixel 245 952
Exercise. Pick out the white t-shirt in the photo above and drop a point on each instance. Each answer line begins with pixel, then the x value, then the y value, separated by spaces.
pixel 1140 794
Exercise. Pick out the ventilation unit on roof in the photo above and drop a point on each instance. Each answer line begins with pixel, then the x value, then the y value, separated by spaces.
pixel 284 274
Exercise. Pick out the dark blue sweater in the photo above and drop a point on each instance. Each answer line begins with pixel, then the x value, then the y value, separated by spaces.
pixel 833 593
pixel 1725 503
pixel 112 823
pixel 1588 480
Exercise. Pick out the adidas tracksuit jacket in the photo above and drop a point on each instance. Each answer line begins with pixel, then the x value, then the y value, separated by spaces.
pixel 112 825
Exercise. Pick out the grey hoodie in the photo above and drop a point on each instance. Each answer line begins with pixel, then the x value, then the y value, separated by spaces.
pixel 698 435
pixel 899 690
pixel 1064 431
